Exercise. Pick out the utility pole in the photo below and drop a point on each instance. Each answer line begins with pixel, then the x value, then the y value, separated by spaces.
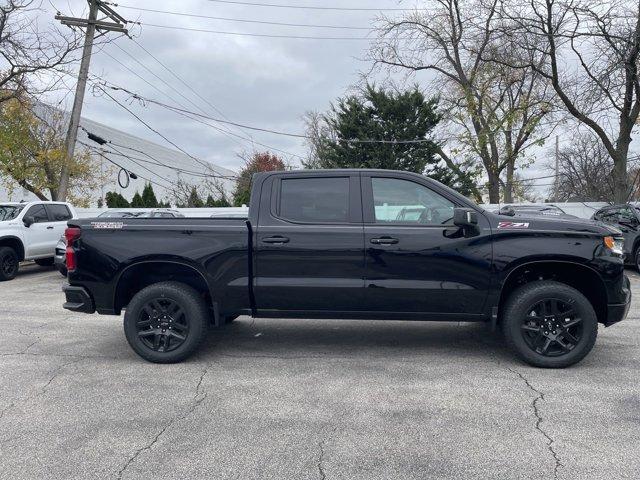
pixel 116 24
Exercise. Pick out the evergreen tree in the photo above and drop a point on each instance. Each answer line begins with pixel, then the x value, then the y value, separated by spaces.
pixel 136 201
pixel 149 196
pixel 384 116
pixel 115 200
pixel 194 200
pixel 217 203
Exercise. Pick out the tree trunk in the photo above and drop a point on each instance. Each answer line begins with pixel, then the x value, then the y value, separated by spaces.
pixel 621 187
pixel 508 188
pixel 494 187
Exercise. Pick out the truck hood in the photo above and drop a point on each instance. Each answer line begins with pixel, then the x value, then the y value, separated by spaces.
pixel 559 224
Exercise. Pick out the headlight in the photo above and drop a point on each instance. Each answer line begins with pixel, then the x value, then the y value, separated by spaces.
pixel 616 245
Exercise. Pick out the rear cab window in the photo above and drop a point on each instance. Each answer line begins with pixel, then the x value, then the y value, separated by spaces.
pixel 314 200
pixel 59 212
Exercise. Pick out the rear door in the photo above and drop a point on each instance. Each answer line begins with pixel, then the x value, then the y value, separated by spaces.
pixel 40 236
pixel 309 244
pixel 415 261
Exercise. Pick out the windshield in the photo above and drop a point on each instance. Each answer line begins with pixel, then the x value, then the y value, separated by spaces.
pixel 9 212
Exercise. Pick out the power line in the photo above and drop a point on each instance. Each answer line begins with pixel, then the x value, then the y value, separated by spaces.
pixel 245 34
pixel 119 166
pixel 305 7
pixel 260 129
pixel 164 82
pixel 242 20
pixel 201 162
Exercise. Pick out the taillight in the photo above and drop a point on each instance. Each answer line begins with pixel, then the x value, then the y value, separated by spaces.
pixel 71 234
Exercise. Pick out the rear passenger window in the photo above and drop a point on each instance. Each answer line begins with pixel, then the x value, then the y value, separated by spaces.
pixel 59 213
pixel 38 213
pixel 315 200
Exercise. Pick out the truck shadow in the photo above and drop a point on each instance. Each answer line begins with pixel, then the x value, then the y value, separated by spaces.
pixel 285 338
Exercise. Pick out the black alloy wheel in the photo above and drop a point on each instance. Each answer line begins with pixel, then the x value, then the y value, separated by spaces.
pixel 162 325
pixel 549 324
pixel 552 327
pixel 9 264
pixel 166 322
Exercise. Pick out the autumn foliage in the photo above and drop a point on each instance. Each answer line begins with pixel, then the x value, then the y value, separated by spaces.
pixel 258 162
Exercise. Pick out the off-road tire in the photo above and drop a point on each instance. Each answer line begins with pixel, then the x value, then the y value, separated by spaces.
pixel 9 264
pixel 196 316
pixel 517 308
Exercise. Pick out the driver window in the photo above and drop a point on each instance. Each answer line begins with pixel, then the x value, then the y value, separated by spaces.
pixel 403 201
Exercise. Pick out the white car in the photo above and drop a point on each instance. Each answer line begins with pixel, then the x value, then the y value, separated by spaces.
pixel 30 231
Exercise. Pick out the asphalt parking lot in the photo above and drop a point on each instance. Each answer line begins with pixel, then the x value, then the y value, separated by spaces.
pixel 291 399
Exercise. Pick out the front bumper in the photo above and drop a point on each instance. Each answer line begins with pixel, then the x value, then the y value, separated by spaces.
pixel 78 299
pixel 617 312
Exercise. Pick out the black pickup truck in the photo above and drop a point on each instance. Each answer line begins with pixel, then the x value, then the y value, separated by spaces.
pixel 370 244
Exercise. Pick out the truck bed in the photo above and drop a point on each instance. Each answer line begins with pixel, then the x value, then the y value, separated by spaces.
pixel 217 248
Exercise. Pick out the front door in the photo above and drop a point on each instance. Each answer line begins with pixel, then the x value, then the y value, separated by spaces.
pixel 309 246
pixel 416 261
pixel 40 237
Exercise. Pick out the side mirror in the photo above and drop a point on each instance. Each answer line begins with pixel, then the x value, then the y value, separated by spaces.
pixel 465 217
pixel 509 211
pixel 28 221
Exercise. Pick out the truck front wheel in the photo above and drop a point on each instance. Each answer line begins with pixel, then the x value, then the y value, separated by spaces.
pixel 549 324
pixel 166 322
pixel 9 263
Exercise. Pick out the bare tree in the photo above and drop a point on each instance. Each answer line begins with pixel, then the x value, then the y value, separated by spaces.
pixel 593 51
pixel 28 54
pixel 499 109
pixel 585 171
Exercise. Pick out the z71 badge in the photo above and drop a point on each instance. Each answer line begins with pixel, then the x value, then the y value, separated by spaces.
pixel 513 225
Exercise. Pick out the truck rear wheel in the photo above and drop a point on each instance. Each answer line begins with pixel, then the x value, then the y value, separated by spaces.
pixel 166 322
pixel 549 324
pixel 9 264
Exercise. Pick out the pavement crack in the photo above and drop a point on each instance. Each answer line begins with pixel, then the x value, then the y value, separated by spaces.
pixel 42 390
pixel 539 419
pixel 320 460
pixel 198 398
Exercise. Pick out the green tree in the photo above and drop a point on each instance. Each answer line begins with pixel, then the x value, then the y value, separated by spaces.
pixel 136 201
pixel 149 196
pixel 258 162
pixel 216 203
pixel 194 200
pixel 115 200
pixel 32 154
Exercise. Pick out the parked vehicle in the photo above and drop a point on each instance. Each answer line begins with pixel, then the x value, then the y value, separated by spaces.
pixel 161 213
pixel 627 219
pixel 534 210
pixel 334 244
pixel 29 231
pixel 118 214
pixel 60 259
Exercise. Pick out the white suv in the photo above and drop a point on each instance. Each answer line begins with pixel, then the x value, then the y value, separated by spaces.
pixel 30 231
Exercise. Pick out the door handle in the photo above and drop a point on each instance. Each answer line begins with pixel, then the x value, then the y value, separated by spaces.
pixel 384 241
pixel 278 240
pixel 49 227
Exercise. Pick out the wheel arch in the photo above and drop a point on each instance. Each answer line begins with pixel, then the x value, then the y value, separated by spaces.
pixel 143 273
pixel 15 243
pixel 577 275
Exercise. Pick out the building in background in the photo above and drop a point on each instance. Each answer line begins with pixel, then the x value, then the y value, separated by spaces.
pixel 171 172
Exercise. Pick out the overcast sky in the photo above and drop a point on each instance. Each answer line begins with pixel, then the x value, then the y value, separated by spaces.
pixel 265 82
